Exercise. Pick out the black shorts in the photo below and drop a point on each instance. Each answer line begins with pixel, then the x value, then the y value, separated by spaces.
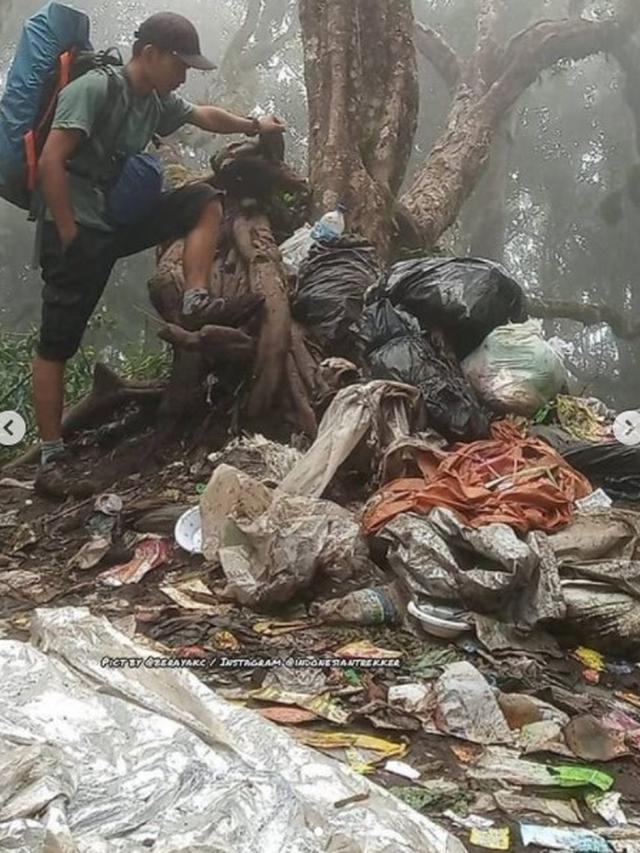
pixel 75 280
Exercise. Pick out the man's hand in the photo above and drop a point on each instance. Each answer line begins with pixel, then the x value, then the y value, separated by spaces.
pixel 271 124
pixel 217 120
pixel 59 148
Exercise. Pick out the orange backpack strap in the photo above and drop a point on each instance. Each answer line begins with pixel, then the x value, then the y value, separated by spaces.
pixel 35 139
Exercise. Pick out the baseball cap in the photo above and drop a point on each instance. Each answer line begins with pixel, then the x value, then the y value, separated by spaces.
pixel 176 34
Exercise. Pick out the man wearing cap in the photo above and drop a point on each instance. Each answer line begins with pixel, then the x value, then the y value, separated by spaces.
pixel 80 242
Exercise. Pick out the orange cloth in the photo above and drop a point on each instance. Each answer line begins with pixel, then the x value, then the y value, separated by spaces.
pixel 538 491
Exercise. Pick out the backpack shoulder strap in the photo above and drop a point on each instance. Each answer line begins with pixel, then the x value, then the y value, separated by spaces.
pixel 114 112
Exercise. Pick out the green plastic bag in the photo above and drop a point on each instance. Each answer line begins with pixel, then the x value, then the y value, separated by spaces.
pixel 568 776
pixel 515 370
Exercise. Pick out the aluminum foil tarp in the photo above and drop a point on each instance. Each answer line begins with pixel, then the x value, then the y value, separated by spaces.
pixel 97 759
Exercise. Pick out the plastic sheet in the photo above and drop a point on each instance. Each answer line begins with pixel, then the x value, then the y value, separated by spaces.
pixel 488 570
pixel 515 370
pixel 564 811
pixel 599 561
pixel 598 613
pixel 396 349
pixel 133 758
pixel 467 707
pixel 581 840
pixel 267 461
pixel 332 284
pixel 271 544
pixel 506 479
pixel 465 297
pixel 609 465
pixel 296 248
pixel 383 412
pixel 602 546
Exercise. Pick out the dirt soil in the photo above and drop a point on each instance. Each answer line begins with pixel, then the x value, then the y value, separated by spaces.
pixel 39 538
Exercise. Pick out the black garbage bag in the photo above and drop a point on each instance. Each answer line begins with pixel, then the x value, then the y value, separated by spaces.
pixel 609 465
pixel 381 323
pixel 395 348
pixel 613 467
pixel 466 298
pixel 332 282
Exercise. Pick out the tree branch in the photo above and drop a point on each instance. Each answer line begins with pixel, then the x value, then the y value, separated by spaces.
pixel 542 46
pixel 486 62
pixel 272 18
pixel 246 30
pixel 436 50
pixel 262 51
pixel 621 325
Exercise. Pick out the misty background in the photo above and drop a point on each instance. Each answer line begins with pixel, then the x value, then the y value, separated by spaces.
pixel 561 199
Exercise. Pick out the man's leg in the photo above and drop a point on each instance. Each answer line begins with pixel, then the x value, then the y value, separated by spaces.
pixel 73 284
pixel 193 213
pixel 200 247
pixel 48 401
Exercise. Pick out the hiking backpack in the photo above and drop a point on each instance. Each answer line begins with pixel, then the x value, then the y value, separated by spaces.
pixel 53 50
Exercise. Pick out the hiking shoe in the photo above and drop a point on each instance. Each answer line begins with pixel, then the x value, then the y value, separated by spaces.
pixel 233 312
pixel 57 479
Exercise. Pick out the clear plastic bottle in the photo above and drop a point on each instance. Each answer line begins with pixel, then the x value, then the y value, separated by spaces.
pixel 373 606
pixel 331 226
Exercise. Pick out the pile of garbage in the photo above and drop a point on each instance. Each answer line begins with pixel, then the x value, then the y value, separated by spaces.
pixel 442 592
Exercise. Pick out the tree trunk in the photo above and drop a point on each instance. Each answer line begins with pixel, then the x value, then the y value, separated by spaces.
pixel 248 349
pixel 260 254
pixel 361 75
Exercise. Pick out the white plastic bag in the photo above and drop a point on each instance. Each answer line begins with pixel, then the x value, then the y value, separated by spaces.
pixel 515 369
pixel 295 249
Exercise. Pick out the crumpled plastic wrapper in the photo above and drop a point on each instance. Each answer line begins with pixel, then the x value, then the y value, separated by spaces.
pixel 99 759
pixel 489 569
pixel 380 412
pixel 468 708
pixel 271 544
pixel 259 457
pixel 280 552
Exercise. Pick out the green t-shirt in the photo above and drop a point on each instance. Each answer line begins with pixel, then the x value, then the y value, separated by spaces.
pixel 81 106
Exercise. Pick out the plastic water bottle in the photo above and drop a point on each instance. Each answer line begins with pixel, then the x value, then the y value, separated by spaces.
pixel 373 606
pixel 331 226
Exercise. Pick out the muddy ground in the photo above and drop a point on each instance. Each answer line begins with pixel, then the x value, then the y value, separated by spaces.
pixel 39 538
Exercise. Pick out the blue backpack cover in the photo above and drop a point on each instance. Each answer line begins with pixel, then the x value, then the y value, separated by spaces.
pixel 136 191
pixel 33 79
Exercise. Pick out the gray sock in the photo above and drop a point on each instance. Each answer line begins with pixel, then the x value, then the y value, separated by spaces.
pixel 194 300
pixel 50 449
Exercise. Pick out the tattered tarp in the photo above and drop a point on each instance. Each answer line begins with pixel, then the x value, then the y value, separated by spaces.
pixel 102 759
pixel 598 556
pixel 378 412
pixel 488 569
pixel 582 582
pixel 508 479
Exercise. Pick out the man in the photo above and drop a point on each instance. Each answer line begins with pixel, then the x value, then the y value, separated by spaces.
pixel 80 244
